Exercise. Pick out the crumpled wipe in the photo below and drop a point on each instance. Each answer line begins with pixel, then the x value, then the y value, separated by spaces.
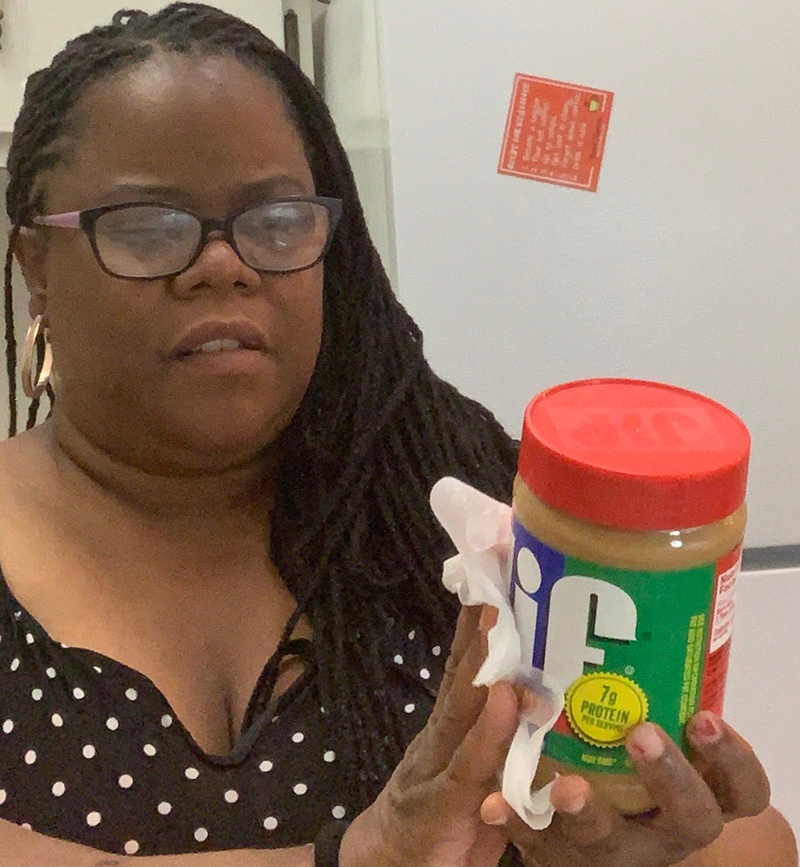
pixel 480 573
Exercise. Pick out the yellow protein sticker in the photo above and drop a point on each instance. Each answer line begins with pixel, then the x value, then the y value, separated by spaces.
pixel 603 706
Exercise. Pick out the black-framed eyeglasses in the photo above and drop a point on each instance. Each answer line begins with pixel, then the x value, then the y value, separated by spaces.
pixel 148 240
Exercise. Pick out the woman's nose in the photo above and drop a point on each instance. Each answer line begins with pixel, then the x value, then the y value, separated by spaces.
pixel 217 268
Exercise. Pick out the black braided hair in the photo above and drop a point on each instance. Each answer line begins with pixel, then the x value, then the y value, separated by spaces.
pixel 352 532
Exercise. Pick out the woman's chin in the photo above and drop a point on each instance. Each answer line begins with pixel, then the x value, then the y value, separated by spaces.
pixel 224 441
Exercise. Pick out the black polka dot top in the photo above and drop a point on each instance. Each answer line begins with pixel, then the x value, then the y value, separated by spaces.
pixel 90 751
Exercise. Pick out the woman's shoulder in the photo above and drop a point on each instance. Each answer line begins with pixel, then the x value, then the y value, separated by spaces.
pixel 26 482
pixel 23 471
pixel 26 451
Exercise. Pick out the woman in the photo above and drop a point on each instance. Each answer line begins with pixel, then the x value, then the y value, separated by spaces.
pixel 236 472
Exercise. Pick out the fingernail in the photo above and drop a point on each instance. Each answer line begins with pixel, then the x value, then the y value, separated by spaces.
pixel 645 743
pixel 493 816
pixel 530 701
pixel 704 728
pixel 573 806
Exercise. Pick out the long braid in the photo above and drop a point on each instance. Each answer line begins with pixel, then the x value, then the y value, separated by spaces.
pixel 11 340
pixel 352 529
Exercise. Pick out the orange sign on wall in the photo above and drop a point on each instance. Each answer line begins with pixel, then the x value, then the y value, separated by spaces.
pixel 556 132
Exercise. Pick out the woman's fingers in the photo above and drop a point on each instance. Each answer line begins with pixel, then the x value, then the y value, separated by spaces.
pixel 693 802
pixel 466 629
pixel 729 766
pixel 454 715
pixel 472 772
pixel 583 818
pixel 690 817
pixel 583 821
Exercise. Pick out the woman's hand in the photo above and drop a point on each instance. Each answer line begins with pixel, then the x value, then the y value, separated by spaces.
pixel 724 781
pixel 429 813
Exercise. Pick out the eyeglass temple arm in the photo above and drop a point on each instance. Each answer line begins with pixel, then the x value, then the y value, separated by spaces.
pixel 72 220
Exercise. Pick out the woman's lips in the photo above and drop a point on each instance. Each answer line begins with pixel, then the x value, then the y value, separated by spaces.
pixel 216 336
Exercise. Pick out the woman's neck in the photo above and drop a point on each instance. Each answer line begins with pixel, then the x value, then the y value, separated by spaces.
pixel 243 487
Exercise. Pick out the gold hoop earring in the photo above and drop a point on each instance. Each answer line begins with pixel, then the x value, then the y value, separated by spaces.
pixel 35 388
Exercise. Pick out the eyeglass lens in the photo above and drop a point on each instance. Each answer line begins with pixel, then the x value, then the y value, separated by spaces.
pixel 149 241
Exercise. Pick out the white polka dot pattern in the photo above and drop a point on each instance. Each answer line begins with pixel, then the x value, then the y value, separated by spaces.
pixel 110 765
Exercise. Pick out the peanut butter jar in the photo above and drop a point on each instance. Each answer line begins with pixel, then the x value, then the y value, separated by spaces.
pixel 629 517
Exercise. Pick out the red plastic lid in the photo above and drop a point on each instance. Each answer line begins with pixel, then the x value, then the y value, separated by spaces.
pixel 634 455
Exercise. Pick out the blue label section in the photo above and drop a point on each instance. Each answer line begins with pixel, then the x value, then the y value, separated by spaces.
pixel 534 577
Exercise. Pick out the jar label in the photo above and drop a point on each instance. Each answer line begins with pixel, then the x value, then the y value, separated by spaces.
pixel 627 645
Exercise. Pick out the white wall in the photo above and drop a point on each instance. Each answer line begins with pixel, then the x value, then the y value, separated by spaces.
pixel 684 266
pixel 762 701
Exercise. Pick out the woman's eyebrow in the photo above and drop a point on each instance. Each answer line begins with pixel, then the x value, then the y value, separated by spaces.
pixel 266 187
pixel 280 184
pixel 132 190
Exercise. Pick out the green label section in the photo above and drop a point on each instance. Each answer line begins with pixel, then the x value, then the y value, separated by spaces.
pixel 656 677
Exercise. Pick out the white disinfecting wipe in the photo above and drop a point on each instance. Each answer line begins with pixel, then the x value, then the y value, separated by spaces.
pixel 480 573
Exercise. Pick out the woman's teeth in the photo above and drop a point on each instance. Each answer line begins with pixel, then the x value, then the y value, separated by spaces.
pixel 219 346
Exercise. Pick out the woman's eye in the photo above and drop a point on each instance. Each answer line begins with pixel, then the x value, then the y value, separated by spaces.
pixel 288 219
pixel 282 225
pixel 146 234
pixel 147 224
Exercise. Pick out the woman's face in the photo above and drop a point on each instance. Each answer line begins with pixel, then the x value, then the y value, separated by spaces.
pixel 211 136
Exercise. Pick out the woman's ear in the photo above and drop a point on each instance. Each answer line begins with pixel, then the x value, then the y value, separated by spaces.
pixel 30 250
